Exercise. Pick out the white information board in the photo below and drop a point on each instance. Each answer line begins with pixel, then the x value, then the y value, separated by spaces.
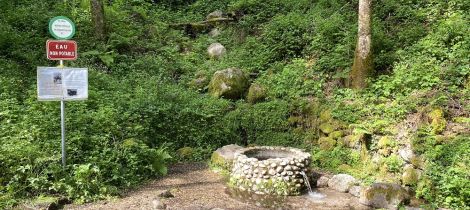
pixel 68 84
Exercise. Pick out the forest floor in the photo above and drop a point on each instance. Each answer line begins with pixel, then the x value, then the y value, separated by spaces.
pixel 194 186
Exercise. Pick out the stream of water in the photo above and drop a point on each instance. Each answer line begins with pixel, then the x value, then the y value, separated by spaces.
pixel 312 194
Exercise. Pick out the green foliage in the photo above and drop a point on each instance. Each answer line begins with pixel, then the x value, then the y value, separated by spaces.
pixel 331 160
pixel 292 81
pixel 446 178
pixel 139 108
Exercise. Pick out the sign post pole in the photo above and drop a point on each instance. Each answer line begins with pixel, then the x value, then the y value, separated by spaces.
pixel 62 123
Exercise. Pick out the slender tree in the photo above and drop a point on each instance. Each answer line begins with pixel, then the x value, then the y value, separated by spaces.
pixel 97 13
pixel 363 63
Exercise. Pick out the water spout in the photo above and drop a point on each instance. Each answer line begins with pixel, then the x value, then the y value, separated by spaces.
pixel 311 193
pixel 307 182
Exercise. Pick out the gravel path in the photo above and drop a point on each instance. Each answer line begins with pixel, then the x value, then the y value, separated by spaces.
pixel 195 187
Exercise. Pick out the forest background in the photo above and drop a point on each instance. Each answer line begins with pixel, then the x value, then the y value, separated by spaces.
pixel 149 100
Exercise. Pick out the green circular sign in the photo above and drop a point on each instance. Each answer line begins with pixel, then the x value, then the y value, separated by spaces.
pixel 61 27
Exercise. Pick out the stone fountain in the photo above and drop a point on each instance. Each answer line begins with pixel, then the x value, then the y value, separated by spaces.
pixel 269 170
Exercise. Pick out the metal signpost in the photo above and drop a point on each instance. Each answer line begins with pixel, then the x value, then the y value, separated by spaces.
pixel 62 83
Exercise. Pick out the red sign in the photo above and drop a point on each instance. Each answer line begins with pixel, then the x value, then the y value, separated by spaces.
pixel 61 50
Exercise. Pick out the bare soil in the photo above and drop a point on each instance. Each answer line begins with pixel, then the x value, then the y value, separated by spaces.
pixel 195 187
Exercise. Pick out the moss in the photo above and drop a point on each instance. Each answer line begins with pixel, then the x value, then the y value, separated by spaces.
pixel 352 140
pixel 185 152
pixel 362 68
pixel 326 143
pixel 417 162
pixel 410 176
pixel 218 162
pixel 438 122
pixel 325 115
pixel 256 93
pixel 230 83
pixel 326 128
pixel 336 134
pixel 462 120
pixel 293 120
pixel 385 142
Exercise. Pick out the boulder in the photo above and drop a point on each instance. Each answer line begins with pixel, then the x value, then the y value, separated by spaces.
pixel 326 128
pixel 355 191
pixel 256 93
pixel 326 143
pixel 341 182
pixel 336 134
pixel 214 32
pixel 406 154
pixel 215 14
pixel 230 83
pixel 410 175
pixel 223 157
pixel 384 195
pixel 322 182
pixel 216 50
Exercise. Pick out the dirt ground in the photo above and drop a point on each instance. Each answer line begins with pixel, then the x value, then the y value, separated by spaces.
pixel 193 186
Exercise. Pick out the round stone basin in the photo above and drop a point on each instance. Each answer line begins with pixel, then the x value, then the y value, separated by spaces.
pixel 269 170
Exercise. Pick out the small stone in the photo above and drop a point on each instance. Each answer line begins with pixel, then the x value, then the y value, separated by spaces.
pixel 298 185
pixel 157 204
pixel 283 173
pixel 295 168
pixel 290 173
pixel 264 172
pixel 283 163
pixel 255 171
pixel 301 165
pixel 272 172
pixel 166 194
pixel 279 169
pixel 273 165
pixel 288 168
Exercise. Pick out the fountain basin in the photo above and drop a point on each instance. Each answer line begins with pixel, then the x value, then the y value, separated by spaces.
pixel 269 170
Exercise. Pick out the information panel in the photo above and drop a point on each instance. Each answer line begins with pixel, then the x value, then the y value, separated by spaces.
pixel 68 84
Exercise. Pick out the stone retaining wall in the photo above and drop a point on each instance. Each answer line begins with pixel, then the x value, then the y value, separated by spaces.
pixel 269 170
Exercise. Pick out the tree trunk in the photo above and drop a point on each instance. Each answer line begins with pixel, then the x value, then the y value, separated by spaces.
pixel 97 13
pixel 363 63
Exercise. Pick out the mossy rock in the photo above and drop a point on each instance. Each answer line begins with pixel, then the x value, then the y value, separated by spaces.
pixel 384 195
pixel 384 152
pixel 326 128
pixel 185 152
pixel 417 161
pixel 438 122
pixel 336 134
pixel 385 142
pixel 326 143
pixel 200 81
pixel 230 83
pixel 325 115
pixel 353 140
pixel 256 93
pixel 223 157
pixel 410 176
